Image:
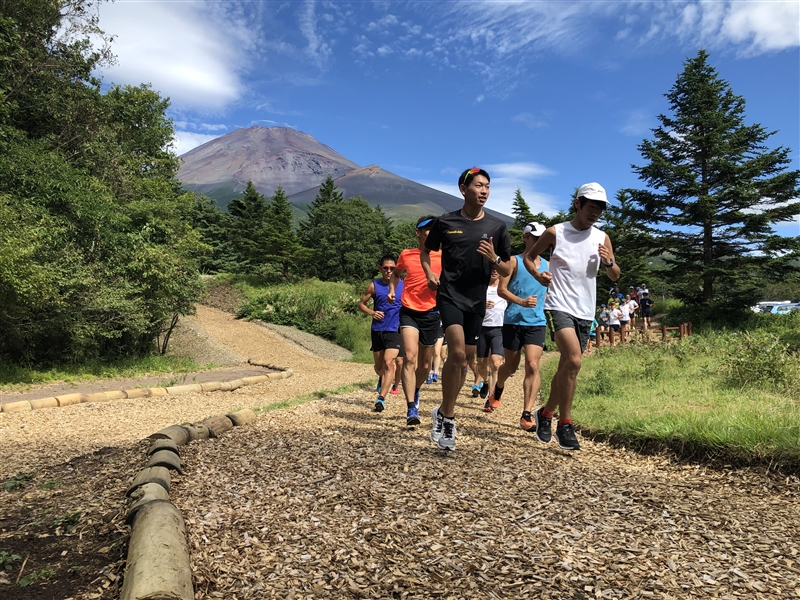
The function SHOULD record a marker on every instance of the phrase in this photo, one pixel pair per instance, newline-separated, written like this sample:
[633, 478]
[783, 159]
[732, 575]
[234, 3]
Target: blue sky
[544, 95]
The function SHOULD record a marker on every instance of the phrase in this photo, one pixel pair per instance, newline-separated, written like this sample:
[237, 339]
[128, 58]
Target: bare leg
[532, 381]
[398, 371]
[455, 369]
[437, 356]
[562, 389]
[388, 370]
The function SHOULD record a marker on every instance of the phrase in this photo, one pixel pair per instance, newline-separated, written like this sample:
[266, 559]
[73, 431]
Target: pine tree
[715, 191]
[250, 228]
[328, 192]
[521, 211]
[282, 245]
[310, 225]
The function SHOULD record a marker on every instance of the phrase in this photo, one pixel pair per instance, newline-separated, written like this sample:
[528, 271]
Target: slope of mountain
[400, 198]
[269, 156]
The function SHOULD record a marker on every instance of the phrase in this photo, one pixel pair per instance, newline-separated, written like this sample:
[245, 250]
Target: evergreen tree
[715, 191]
[250, 231]
[328, 194]
[283, 247]
[215, 227]
[521, 211]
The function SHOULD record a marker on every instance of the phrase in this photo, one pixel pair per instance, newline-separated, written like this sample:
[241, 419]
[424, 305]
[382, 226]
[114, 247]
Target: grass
[298, 400]
[685, 396]
[15, 375]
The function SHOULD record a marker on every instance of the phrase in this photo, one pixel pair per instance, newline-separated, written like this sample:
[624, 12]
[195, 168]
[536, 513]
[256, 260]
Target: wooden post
[690, 327]
[663, 333]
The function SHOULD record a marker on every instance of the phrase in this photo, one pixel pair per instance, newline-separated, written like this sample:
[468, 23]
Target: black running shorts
[490, 342]
[426, 323]
[559, 320]
[517, 336]
[385, 340]
[471, 323]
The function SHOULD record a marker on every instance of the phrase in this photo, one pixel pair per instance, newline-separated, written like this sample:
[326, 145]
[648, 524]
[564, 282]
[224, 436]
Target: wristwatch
[609, 265]
[498, 260]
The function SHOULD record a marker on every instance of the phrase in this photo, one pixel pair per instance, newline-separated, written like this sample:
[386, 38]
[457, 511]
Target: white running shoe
[448, 439]
[436, 431]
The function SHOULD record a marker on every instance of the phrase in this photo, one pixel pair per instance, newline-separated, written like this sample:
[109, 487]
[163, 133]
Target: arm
[606, 256]
[486, 249]
[505, 294]
[362, 304]
[393, 283]
[547, 239]
[425, 260]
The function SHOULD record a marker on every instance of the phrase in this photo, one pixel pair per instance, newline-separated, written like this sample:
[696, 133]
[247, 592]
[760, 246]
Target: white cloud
[529, 120]
[186, 140]
[385, 50]
[319, 51]
[520, 170]
[180, 48]
[480, 99]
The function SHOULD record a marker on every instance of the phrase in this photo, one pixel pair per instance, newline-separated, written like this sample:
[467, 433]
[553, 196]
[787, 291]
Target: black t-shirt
[465, 273]
[646, 303]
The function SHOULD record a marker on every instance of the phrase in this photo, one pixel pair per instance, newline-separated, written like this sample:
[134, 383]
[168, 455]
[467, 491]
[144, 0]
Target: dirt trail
[332, 500]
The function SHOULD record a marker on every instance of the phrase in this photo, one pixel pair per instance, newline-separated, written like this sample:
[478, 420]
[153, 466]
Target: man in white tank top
[580, 250]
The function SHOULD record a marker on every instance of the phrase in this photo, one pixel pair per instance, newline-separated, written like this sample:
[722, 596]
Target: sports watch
[498, 260]
[609, 265]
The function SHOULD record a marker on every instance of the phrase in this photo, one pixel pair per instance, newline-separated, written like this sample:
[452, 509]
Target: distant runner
[580, 250]
[490, 343]
[419, 317]
[471, 242]
[385, 323]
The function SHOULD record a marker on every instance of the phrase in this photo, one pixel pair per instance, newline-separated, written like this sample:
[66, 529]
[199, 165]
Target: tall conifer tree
[716, 191]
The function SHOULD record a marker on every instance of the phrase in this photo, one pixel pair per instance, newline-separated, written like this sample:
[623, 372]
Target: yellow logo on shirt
[454, 231]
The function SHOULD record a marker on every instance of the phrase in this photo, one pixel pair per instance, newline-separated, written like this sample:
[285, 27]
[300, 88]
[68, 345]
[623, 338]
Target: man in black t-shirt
[472, 242]
[646, 303]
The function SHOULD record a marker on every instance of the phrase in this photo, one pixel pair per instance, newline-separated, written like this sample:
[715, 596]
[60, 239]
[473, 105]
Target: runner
[471, 242]
[647, 304]
[580, 250]
[385, 322]
[419, 317]
[490, 342]
[523, 328]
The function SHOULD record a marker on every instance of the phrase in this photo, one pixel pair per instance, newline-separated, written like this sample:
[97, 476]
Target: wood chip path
[332, 500]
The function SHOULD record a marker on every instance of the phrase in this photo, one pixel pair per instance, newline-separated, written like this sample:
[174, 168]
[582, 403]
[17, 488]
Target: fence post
[689, 328]
[663, 332]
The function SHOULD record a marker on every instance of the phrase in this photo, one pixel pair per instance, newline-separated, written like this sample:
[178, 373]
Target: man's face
[387, 268]
[477, 192]
[590, 212]
[422, 235]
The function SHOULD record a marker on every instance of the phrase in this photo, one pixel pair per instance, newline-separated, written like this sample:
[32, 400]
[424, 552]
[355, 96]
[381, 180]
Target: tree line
[101, 248]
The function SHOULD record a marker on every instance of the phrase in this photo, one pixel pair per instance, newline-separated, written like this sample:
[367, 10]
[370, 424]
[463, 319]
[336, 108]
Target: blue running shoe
[416, 399]
[412, 416]
[435, 377]
[429, 380]
[476, 389]
[379, 404]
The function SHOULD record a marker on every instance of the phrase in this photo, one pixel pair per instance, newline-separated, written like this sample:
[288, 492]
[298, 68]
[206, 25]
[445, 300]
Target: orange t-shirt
[416, 294]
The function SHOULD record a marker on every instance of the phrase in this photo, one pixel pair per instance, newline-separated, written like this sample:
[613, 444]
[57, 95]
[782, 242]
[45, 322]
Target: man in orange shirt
[419, 317]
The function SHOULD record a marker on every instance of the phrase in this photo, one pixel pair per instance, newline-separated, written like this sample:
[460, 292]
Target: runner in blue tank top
[385, 328]
[523, 327]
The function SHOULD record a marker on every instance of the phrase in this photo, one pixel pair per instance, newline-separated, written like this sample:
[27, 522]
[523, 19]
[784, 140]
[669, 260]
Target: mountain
[269, 156]
[272, 156]
[400, 198]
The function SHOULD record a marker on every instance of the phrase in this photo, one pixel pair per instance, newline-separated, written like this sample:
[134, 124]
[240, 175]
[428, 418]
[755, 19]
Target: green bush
[760, 359]
[326, 309]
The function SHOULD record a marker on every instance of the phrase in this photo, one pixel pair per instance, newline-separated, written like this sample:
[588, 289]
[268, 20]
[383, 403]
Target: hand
[530, 302]
[486, 249]
[433, 282]
[490, 304]
[605, 255]
[378, 315]
[390, 297]
[543, 277]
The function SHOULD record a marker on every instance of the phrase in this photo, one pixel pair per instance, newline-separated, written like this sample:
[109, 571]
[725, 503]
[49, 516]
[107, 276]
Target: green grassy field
[692, 396]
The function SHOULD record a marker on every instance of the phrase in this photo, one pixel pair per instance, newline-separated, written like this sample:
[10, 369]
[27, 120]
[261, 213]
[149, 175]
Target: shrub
[759, 358]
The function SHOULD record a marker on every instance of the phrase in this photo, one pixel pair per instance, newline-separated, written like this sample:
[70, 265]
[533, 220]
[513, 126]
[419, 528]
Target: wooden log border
[158, 564]
[72, 399]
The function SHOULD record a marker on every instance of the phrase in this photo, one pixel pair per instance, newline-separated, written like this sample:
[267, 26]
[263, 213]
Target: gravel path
[332, 500]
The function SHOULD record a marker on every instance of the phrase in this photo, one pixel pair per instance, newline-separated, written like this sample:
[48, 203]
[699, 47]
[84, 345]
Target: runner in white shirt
[632, 306]
[624, 321]
[614, 314]
[490, 342]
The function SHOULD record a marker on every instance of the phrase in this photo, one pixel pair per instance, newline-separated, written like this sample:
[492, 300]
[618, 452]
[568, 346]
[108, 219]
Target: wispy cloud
[530, 121]
[187, 51]
[318, 51]
[187, 140]
[637, 123]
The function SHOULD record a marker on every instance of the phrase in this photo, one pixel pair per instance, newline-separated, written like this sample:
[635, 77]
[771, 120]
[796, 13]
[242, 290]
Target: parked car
[785, 309]
[767, 305]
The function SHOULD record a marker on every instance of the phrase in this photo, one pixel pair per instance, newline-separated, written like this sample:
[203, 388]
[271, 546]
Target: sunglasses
[469, 173]
[388, 268]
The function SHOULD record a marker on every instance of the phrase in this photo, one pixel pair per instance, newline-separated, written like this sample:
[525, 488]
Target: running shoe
[436, 430]
[429, 380]
[544, 432]
[380, 404]
[434, 377]
[491, 401]
[488, 407]
[412, 416]
[476, 389]
[416, 399]
[378, 387]
[394, 391]
[526, 423]
[484, 390]
[448, 439]
[565, 434]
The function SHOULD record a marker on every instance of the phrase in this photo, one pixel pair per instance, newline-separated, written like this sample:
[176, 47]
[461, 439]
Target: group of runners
[462, 278]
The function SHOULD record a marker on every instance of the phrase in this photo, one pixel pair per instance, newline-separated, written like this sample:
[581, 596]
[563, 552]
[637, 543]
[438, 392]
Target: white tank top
[494, 315]
[574, 264]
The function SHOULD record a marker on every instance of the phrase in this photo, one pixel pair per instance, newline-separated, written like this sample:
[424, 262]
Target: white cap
[533, 228]
[592, 191]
